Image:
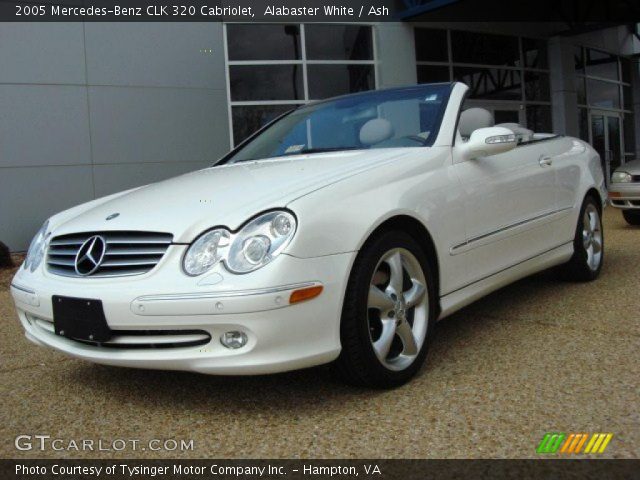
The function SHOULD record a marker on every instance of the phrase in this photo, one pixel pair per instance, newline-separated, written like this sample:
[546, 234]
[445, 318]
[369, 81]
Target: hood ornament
[112, 216]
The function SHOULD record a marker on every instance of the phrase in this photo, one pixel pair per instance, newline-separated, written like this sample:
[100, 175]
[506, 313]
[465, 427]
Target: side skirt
[454, 301]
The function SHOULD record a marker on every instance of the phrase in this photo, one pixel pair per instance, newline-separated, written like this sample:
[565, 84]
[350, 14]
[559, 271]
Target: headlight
[206, 251]
[36, 248]
[620, 177]
[255, 245]
[260, 241]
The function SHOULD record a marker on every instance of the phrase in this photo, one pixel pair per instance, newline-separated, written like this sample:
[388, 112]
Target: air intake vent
[106, 254]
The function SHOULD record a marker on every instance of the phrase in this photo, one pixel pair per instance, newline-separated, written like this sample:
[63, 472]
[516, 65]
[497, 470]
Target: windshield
[407, 117]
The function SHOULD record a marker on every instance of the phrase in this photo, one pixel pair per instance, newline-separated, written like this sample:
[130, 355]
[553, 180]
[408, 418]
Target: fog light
[234, 339]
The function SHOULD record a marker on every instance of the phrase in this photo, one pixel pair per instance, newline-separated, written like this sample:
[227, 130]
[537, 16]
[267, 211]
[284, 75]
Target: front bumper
[625, 195]
[281, 336]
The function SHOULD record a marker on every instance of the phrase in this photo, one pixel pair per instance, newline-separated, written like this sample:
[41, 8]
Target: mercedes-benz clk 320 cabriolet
[341, 232]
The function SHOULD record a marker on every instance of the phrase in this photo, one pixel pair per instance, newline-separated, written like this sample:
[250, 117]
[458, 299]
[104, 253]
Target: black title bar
[571, 12]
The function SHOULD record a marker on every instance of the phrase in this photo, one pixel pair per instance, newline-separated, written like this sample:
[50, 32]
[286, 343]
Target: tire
[588, 245]
[375, 322]
[632, 216]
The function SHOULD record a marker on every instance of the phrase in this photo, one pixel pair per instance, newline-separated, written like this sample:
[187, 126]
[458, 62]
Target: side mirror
[485, 142]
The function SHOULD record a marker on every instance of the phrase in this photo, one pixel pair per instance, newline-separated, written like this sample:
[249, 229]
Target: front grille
[126, 253]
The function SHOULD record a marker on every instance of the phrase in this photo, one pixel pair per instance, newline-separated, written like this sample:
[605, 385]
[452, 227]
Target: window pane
[581, 90]
[539, 118]
[506, 116]
[247, 120]
[629, 134]
[338, 42]
[600, 64]
[628, 98]
[276, 42]
[431, 45]
[432, 74]
[331, 80]
[603, 94]
[583, 124]
[483, 48]
[578, 58]
[625, 64]
[491, 83]
[535, 53]
[536, 86]
[266, 82]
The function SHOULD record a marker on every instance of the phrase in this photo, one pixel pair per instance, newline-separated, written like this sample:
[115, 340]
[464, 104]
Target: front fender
[341, 217]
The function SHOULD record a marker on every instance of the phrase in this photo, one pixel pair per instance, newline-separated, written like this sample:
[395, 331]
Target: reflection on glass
[506, 116]
[485, 48]
[490, 83]
[266, 82]
[535, 53]
[581, 90]
[629, 134]
[578, 59]
[433, 73]
[603, 94]
[615, 155]
[598, 140]
[583, 124]
[275, 42]
[249, 119]
[625, 66]
[338, 42]
[332, 80]
[600, 64]
[536, 86]
[628, 98]
[431, 45]
[539, 118]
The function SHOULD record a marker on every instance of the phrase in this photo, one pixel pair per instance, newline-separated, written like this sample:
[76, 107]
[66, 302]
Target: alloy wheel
[398, 309]
[592, 236]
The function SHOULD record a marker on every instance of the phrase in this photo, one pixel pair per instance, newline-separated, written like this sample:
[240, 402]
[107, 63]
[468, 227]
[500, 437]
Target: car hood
[632, 167]
[227, 195]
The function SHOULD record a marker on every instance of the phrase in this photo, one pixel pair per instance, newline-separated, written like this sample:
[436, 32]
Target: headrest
[473, 119]
[375, 131]
[522, 134]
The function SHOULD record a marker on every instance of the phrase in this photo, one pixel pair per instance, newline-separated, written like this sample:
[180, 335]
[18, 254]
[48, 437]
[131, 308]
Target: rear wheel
[632, 216]
[588, 245]
[388, 312]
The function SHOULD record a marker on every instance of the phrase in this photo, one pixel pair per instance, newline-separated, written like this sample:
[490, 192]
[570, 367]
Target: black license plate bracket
[80, 319]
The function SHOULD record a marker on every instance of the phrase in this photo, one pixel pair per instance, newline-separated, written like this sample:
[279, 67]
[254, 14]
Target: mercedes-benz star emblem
[112, 216]
[90, 256]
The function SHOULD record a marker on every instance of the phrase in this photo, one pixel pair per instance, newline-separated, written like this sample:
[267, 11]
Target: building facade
[91, 109]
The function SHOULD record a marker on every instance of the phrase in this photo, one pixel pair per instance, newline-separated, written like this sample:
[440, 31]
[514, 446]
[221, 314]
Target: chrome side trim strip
[23, 289]
[456, 249]
[486, 277]
[227, 294]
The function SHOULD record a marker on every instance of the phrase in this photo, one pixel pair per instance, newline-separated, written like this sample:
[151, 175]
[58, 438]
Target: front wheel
[632, 216]
[588, 245]
[388, 312]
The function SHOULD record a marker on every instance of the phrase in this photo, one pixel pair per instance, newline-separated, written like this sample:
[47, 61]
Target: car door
[509, 201]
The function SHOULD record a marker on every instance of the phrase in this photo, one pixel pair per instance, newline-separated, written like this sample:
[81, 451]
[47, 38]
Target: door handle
[545, 161]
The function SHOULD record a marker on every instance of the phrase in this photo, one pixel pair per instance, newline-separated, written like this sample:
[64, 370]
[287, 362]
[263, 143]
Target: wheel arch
[419, 232]
[593, 192]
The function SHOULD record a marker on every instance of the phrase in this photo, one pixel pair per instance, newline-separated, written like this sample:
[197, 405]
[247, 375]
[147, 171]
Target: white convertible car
[341, 232]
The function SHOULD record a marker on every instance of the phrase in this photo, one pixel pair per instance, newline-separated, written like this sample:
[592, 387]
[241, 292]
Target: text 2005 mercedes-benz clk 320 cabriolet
[341, 232]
